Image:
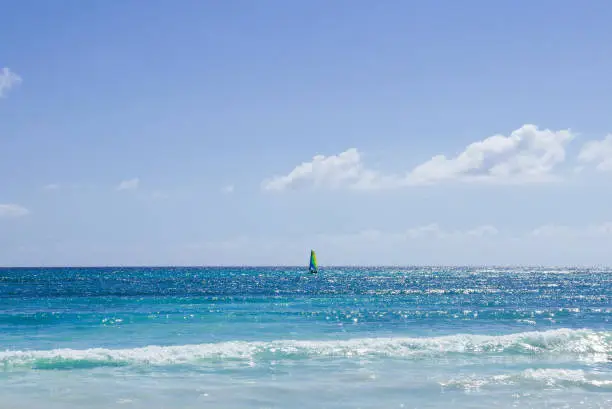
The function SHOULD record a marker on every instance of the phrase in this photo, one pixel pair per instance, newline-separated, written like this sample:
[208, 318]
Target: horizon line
[300, 266]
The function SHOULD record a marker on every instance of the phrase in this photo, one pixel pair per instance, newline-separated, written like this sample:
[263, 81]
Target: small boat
[313, 268]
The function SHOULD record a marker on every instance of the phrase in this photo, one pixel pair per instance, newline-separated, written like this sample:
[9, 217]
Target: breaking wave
[560, 341]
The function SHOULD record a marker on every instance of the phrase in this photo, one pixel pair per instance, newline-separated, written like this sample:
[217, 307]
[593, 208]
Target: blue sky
[209, 115]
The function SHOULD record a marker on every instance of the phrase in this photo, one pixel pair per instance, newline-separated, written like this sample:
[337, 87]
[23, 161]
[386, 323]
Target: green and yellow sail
[313, 268]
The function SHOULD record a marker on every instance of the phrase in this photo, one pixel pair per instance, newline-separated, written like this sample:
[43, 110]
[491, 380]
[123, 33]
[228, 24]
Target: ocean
[257, 337]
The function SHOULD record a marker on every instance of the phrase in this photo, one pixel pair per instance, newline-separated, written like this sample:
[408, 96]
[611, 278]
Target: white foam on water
[539, 378]
[560, 341]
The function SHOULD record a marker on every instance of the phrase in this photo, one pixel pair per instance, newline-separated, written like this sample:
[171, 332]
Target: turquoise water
[418, 337]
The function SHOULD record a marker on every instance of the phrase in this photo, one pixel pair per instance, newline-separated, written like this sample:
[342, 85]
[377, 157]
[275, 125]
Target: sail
[313, 262]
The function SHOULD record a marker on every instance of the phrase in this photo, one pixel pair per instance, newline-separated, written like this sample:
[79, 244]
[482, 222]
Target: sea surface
[253, 337]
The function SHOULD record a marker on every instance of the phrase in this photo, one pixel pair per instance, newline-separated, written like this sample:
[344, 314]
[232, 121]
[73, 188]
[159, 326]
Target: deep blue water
[419, 337]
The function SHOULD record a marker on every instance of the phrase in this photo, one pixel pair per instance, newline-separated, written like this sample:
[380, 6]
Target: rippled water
[419, 337]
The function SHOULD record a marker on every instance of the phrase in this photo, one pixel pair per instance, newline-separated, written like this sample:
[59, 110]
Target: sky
[240, 132]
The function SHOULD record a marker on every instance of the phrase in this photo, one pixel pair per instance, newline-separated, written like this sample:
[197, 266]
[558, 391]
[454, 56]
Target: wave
[546, 378]
[560, 342]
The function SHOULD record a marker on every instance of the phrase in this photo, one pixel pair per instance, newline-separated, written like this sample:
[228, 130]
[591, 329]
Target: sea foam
[554, 342]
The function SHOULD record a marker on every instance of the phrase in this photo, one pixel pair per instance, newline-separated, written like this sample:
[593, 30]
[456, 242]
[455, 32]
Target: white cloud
[129, 184]
[558, 231]
[11, 210]
[51, 186]
[598, 153]
[8, 80]
[558, 244]
[228, 189]
[550, 230]
[428, 231]
[528, 154]
[343, 170]
[481, 231]
[433, 230]
[158, 194]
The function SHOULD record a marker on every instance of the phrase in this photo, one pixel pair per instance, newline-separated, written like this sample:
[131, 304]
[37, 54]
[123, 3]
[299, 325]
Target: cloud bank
[420, 245]
[556, 231]
[527, 155]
